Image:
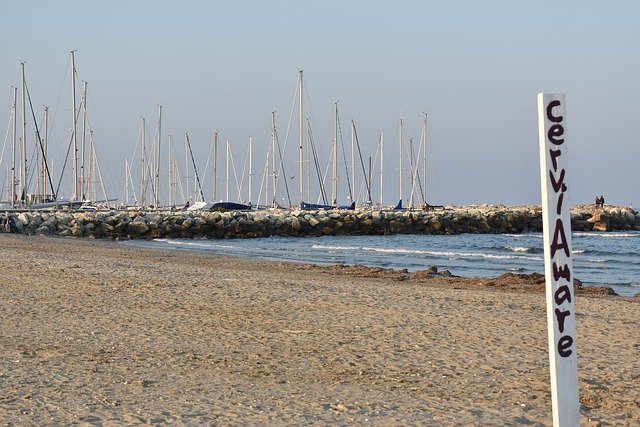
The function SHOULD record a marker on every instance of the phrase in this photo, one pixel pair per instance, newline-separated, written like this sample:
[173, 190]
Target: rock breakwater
[263, 223]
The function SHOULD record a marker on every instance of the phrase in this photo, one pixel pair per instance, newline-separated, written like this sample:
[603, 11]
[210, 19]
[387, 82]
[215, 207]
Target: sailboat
[198, 204]
[274, 173]
[311, 148]
[226, 205]
[416, 179]
[45, 194]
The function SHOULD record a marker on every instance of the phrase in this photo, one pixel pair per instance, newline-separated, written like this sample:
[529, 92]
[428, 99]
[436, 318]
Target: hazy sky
[474, 66]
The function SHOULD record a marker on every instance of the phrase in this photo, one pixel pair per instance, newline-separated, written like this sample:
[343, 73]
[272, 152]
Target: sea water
[609, 259]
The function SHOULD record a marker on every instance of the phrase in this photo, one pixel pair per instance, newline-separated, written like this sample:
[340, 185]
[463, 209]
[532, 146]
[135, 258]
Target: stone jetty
[262, 223]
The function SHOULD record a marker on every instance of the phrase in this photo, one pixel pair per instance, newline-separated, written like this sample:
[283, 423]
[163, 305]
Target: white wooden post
[556, 220]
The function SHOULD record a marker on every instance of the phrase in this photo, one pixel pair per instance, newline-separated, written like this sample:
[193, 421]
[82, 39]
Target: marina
[321, 213]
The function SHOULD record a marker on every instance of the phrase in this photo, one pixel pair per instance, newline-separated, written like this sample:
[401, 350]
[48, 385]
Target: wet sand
[93, 331]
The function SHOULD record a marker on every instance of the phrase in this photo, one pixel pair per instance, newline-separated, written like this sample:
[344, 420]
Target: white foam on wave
[450, 254]
[335, 248]
[519, 248]
[618, 235]
[526, 249]
[194, 243]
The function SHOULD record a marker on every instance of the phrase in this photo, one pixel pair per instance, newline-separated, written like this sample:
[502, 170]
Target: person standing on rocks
[7, 224]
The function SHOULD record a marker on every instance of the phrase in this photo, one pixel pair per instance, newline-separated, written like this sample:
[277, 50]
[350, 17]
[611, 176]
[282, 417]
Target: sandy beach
[97, 332]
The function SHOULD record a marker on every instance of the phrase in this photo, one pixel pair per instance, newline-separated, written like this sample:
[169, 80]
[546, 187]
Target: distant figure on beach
[600, 201]
[7, 224]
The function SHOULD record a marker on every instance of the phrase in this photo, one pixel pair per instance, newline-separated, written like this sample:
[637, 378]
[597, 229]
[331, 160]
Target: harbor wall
[263, 223]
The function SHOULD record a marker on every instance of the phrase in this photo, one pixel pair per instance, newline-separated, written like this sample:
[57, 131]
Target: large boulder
[599, 215]
[138, 227]
[600, 226]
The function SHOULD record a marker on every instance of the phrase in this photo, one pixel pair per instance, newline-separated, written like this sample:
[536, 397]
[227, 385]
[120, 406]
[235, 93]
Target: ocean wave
[531, 250]
[616, 235]
[195, 243]
[519, 248]
[335, 248]
[450, 254]
[597, 261]
[524, 249]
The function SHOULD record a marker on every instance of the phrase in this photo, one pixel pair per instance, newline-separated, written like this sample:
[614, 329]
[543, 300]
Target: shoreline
[532, 281]
[97, 332]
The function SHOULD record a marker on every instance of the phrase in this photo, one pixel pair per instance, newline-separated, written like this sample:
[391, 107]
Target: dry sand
[98, 332]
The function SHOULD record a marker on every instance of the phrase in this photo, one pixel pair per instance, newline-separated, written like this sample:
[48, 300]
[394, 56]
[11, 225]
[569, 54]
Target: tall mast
[369, 184]
[353, 155]
[412, 172]
[301, 139]
[307, 161]
[250, 167]
[93, 171]
[74, 126]
[13, 160]
[172, 197]
[381, 166]
[215, 166]
[424, 174]
[400, 136]
[83, 142]
[227, 174]
[96, 169]
[126, 182]
[365, 176]
[173, 172]
[157, 171]
[23, 144]
[176, 177]
[273, 160]
[143, 175]
[186, 163]
[334, 149]
[44, 155]
[195, 169]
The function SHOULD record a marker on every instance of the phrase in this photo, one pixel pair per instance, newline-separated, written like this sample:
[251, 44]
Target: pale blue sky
[474, 66]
